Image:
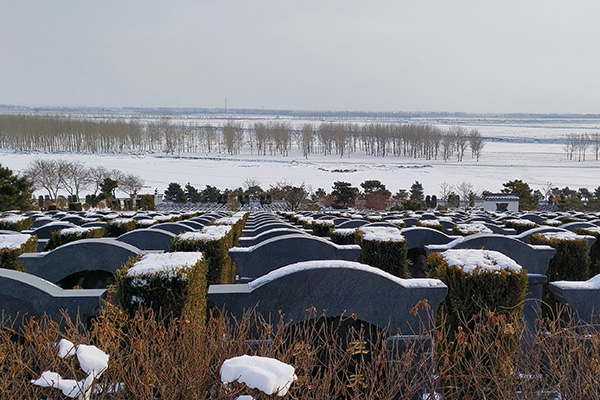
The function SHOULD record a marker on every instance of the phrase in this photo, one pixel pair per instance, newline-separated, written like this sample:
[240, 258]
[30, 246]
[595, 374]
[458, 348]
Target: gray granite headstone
[338, 288]
[255, 261]
[23, 295]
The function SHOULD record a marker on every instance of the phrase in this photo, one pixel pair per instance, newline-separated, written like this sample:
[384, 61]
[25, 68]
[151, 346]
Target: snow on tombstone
[268, 375]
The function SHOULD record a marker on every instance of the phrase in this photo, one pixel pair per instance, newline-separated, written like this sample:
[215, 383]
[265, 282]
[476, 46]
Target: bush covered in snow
[214, 241]
[12, 246]
[172, 283]
[345, 236]
[571, 261]
[322, 227]
[64, 236]
[15, 223]
[384, 248]
[118, 226]
[484, 287]
[519, 225]
[594, 250]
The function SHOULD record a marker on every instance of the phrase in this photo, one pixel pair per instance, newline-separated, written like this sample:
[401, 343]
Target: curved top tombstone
[44, 231]
[260, 259]
[102, 254]
[23, 294]
[173, 227]
[534, 258]
[338, 288]
[148, 239]
[420, 236]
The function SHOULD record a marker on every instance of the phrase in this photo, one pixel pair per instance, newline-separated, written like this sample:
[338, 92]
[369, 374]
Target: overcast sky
[396, 55]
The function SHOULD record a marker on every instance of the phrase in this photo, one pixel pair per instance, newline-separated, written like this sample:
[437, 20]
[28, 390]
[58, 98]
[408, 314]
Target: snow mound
[268, 375]
[469, 260]
[13, 241]
[381, 234]
[163, 262]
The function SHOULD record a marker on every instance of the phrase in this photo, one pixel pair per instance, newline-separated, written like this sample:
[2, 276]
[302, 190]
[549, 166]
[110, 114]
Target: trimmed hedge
[15, 223]
[388, 255]
[482, 298]
[237, 223]
[64, 236]
[470, 229]
[9, 257]
[431, 223]
[344, 236]
[322, 228]
[571, 261]
[173, 293]
[520, 225]
[119, 226]
[215, 247]
[594, 250]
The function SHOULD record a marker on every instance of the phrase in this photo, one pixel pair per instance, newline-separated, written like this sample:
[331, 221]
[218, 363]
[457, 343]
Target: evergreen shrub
[481, 297]
[119, 226]
[214, 242]
[178, 287]
[64, 236]
[384, 248]
[594, 250]
[571, 261]
[519, 225]
[322, 228]
[15, 223]
[344, 236]
[10, 251]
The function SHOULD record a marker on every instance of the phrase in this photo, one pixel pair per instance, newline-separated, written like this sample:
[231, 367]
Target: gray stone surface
[255, 261]
[149, 239]
[102, 254]
[582, 297]
[420, 236]
[266, 227]
[173, 227]
[23, 295]
[43, 232]
[535, 259]
[272, 233]
[573, 226]
[353, 223]
[338, 288]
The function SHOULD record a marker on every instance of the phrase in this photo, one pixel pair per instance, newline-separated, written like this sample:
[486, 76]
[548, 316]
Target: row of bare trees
[576, 146]
[73, 177]
[60, 134]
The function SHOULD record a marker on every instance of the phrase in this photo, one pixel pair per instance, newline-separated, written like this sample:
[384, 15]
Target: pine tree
[16, 193]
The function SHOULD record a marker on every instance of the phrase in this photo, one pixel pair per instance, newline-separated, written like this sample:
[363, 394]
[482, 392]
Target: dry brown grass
[334, 359]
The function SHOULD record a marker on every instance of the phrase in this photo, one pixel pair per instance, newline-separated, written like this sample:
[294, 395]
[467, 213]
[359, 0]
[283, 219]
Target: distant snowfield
[514, 153]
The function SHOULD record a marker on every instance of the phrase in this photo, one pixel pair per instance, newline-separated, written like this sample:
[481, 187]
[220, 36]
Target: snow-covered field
[530, 150]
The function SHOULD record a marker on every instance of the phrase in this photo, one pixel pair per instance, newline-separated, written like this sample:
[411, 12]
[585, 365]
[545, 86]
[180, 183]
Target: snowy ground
[530, 151]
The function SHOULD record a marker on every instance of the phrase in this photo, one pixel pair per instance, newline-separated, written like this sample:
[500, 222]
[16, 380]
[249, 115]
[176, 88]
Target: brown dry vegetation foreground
[181, 359]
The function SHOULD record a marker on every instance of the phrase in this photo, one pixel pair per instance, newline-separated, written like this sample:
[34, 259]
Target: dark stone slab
[102, 254]
[148, 239]
[277, 232]
[23, 295]
[255, 261]
[337, 287]
[173, 227]
[582, 297]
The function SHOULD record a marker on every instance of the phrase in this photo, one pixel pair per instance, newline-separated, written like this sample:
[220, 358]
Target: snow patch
[268, 375]
[470, 259]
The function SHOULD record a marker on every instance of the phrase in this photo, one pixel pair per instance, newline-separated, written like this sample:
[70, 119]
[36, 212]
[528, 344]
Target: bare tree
[307, 139]
[74, 176]
[596, 144]
[45, 174]
[570, 145]
[131, 184]
[465, 189]
[476, 142]
[445, 190]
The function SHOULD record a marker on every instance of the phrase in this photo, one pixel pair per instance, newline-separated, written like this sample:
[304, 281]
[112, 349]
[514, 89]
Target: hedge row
[64, 236]
[170, 292]
[9, 256]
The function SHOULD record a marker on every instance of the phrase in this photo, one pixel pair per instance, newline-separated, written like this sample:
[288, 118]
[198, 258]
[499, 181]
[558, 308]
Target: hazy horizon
[466, 56]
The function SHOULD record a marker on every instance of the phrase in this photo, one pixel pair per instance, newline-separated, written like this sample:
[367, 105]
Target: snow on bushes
[344, 236]
[214, 241]
[470, 229]
[12, 246]
[118, 226]
[322, 227]
[64, 236]
[594, 250]
[571, 261]
[384, 248]
[173, 283]
[519, 225]
[15, 223]
[484, 288]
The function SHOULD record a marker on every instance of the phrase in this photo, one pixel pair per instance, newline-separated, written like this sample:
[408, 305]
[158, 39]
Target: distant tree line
[576, 146]
[63, 134]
